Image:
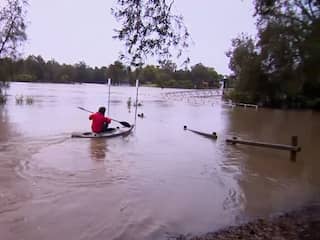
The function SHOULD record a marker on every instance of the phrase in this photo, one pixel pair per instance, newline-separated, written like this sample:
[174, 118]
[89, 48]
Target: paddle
[123, 123]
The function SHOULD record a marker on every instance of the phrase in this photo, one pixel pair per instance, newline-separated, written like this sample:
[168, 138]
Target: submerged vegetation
[20, 99]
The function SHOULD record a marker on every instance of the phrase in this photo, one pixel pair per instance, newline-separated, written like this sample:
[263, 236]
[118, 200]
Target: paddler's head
[102, 110]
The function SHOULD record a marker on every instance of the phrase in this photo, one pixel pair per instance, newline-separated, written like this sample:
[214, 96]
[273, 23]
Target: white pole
[137, 87]
[109, 85]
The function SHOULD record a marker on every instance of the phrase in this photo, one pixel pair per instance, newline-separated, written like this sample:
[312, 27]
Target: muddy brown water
[156, 183]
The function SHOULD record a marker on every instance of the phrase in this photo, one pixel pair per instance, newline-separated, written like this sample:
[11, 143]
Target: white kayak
[112, 132]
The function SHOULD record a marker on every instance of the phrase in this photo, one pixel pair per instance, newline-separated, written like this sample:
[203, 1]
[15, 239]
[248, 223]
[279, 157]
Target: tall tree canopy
[149, 28]
[284, 57]
[12, 33]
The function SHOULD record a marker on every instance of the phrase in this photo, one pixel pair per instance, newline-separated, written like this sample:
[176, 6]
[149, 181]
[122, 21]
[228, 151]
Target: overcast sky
[71, 31]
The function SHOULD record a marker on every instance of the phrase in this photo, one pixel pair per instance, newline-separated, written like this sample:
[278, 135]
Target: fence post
[294, 143]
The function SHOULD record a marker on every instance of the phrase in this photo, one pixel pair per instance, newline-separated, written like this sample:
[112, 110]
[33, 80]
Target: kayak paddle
[123, 123]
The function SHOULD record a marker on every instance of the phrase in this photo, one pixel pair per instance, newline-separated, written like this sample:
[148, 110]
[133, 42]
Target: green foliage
[6, 70]
[150, 74]
[243, 97]
[35, 69]
[12, 26]
[24, 77]
[203, 77]
[281, 65]
[149, 28]
[117, 72]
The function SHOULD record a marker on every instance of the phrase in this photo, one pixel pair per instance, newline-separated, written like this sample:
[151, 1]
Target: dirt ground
[303, 224]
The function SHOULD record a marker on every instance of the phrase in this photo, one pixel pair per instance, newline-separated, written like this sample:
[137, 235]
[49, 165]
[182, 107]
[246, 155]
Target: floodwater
[156, 183]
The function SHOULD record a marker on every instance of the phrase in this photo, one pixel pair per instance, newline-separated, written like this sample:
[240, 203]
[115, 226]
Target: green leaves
[149, 28]
[12, 26]
[282, 61]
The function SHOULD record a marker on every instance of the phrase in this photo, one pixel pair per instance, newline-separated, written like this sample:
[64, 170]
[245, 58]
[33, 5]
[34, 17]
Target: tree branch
[8, 34]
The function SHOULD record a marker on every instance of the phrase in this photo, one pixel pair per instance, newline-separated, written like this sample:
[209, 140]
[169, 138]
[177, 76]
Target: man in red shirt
[99, 121]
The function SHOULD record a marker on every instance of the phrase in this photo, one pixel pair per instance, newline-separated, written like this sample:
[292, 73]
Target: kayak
[112, 132]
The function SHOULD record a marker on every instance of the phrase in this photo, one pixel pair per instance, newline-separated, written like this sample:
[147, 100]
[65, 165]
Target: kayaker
[100, 123]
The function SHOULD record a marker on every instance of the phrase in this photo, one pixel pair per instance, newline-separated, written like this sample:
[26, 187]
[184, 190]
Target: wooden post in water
[136, 109]
[294, 143]
[293, 148]
[234, 142]
[212, 135]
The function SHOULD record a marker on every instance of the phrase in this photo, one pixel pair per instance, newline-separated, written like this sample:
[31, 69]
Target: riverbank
[302, 224]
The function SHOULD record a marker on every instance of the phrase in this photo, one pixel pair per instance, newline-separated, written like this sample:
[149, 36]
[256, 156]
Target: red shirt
[98, 121]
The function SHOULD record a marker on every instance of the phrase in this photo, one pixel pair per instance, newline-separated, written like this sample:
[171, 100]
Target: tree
[52, 70]
[6, 74]
[245, 63]
[12, 32]
[35, 67]
[12, 26]
[99, 75]
[81, 72]
[149, 28]
[67, 73]
[203, 77]
[149, 74]
[280, 67]
[117, 72]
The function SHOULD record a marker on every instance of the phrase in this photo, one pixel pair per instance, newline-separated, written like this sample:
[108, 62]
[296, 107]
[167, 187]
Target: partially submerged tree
[280, 67]
[289, 33]
[149, 28]
[12, 33]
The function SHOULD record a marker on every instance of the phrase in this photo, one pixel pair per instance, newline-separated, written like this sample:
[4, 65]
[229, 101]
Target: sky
[71, 31]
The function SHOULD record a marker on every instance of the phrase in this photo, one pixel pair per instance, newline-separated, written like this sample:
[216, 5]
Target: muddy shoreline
[302, 224]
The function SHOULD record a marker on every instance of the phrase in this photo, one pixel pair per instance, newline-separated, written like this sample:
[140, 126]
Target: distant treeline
[36, 69]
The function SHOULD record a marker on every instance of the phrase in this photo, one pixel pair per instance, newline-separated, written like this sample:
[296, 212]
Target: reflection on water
[158, 182]
[267, 173]
[5, 128]
[98, 149]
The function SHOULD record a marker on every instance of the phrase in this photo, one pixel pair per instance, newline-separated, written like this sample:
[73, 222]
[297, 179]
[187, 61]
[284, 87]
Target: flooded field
[156, 183]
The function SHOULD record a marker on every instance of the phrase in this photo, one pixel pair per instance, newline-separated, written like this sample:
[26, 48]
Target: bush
[24, 78]
[242, 97]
